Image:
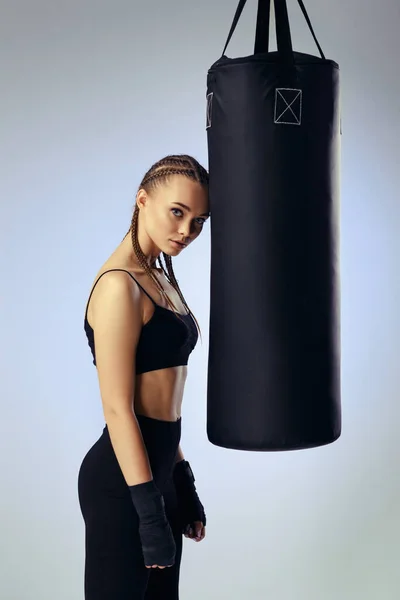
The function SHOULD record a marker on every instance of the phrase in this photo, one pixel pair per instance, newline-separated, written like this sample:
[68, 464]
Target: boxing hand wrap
[158, 543]
[190, 507]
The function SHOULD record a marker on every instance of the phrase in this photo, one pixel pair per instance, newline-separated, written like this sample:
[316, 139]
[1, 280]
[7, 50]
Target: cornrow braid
[159, 174]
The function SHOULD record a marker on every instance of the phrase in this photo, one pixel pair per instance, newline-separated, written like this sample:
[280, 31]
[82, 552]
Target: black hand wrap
[158, 543]
[190, 507]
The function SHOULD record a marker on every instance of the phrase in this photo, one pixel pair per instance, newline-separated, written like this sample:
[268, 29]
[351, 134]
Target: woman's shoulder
[110, 283]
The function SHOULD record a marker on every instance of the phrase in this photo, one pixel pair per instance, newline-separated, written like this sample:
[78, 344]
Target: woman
[136, 490]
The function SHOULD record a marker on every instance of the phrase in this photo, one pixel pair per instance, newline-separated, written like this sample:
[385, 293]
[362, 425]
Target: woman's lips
[178, 244]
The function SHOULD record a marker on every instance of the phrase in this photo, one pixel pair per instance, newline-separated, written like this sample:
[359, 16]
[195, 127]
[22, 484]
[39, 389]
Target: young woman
[136, 490]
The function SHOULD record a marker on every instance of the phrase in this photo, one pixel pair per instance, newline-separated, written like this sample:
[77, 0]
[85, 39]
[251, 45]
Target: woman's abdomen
[159, 394]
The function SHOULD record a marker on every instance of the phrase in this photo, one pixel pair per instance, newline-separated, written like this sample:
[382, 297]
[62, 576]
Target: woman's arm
[117, 322]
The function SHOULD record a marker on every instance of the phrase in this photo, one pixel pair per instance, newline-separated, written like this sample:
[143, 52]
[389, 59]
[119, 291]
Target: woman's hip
[100, 470]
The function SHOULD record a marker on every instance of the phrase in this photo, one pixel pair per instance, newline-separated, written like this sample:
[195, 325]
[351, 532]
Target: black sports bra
[165, 340]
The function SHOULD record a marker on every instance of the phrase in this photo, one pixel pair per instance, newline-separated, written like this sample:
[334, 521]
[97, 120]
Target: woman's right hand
[158, 544]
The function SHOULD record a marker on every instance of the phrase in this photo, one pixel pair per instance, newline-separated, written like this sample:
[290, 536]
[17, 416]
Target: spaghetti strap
[125, 271]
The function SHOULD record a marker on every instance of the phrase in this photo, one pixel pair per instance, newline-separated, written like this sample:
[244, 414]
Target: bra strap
[108, 271]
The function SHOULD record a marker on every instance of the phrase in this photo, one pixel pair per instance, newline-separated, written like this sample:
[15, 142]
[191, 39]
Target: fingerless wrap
[158, 543]
[190, 507]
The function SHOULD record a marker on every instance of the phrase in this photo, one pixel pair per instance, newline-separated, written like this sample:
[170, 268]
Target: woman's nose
[185, 231]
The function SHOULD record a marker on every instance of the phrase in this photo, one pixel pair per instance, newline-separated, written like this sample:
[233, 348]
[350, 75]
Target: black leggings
[114, 565]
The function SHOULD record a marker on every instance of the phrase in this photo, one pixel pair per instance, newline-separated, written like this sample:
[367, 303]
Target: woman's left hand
[195, 531]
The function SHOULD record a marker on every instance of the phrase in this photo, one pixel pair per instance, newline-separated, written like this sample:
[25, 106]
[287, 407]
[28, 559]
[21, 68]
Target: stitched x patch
[288, 105]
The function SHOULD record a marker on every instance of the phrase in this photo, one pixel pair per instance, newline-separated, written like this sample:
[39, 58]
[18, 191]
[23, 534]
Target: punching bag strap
[303, 8]
[236, 18]
[262, 27]
[282, 25]
[283, 37]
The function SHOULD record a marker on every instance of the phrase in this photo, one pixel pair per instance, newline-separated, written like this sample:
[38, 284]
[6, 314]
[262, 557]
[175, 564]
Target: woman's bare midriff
[159, 394]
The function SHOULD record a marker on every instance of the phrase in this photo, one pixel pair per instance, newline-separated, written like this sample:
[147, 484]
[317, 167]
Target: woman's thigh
[163, 584]
[114, 566]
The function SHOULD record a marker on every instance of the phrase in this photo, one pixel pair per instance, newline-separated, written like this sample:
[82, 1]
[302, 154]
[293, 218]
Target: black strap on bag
[282, 27]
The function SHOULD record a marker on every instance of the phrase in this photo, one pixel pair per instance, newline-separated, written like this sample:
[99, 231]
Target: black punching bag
[273, 134]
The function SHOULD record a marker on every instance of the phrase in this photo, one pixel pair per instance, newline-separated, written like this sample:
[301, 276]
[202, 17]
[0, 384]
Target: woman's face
[175, 212]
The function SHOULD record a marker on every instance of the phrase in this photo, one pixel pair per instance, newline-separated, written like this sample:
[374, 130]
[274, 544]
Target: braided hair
[158, 174]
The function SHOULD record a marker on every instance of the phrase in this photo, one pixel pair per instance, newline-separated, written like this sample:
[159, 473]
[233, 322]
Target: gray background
[92, 93]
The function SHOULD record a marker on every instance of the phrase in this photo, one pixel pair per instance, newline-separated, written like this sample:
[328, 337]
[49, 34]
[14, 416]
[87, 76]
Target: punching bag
[273, 130]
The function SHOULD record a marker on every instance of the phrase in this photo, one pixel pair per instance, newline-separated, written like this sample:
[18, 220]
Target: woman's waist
[159, 394]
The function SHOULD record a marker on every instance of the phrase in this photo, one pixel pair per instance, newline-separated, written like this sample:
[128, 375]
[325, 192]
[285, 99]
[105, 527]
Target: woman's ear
[141, 198]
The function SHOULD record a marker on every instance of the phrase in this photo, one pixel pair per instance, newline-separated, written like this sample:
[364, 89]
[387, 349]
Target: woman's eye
[177, 210]
[199, 220]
